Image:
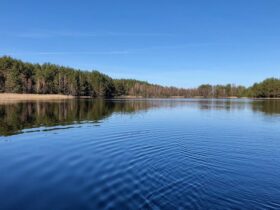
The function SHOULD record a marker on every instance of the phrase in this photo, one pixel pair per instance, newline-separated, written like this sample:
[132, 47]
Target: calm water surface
[140, 154]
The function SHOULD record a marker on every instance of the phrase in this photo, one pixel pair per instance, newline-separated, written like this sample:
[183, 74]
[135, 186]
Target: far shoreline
[17, 97]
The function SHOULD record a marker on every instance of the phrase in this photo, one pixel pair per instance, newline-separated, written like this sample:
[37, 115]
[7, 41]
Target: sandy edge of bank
[31, 97]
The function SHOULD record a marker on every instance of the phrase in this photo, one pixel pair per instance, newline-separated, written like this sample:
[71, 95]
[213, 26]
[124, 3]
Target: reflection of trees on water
[223, 104]
[269, 107]
[18, 116]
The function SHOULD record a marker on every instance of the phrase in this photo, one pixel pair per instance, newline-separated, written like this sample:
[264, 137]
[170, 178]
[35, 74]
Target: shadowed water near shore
[15, 117]
[140, 154]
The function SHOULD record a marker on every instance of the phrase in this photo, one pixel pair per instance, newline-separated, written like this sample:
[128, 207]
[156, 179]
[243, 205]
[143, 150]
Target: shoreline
[9, 97]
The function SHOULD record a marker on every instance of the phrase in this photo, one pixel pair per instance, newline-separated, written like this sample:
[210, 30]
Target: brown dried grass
[8, 97]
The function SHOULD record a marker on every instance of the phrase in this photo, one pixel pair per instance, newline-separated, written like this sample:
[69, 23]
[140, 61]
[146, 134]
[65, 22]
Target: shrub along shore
[49, 81]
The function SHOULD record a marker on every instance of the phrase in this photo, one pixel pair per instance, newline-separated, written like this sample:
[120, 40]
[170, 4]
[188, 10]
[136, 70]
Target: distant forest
[22, 77]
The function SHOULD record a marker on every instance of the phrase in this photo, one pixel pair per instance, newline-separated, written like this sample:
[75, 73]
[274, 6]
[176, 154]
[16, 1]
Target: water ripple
[180, 155]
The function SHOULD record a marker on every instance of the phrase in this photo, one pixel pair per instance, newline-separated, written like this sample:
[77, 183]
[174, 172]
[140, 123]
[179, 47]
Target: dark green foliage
[269, 88]
[2, 82]
[205, 90]
[19, 77]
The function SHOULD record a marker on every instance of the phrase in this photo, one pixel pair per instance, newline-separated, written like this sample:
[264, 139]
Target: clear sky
[171, 42]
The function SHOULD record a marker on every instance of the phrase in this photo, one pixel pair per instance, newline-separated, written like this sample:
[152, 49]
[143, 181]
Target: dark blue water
[145, 154]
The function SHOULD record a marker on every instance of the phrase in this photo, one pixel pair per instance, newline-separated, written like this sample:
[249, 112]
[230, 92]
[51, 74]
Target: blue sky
[171, 42]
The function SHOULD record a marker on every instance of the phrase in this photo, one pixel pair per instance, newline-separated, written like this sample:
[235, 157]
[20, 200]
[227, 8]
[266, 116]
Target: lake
[140, 154]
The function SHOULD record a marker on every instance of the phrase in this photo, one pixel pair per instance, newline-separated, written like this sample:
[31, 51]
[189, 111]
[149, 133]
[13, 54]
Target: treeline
[216, 91]
[269, 88]
[21, 77]
[128, 87]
